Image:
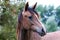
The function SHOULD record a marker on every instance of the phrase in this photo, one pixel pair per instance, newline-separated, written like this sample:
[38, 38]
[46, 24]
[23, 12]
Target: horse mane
[20, 16]
[31, 10]
[18, 28]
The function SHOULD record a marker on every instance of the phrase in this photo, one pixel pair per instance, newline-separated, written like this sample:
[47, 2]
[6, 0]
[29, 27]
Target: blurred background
[49, 12]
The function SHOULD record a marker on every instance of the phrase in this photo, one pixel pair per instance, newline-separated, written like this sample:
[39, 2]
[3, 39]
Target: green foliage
[51, 24]
[40, 9]
[49, 18]
[8, 19]
[58, 11]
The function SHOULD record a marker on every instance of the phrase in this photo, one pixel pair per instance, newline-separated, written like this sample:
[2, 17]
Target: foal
[29, 27]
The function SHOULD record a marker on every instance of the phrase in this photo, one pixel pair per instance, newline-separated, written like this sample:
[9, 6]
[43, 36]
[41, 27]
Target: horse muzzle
[40, 31]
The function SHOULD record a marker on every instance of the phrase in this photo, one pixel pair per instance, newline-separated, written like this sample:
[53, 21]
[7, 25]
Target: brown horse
[52, 36]
[29, 27]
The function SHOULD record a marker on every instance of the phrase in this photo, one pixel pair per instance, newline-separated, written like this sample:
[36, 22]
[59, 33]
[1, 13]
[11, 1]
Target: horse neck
[28, 35]
[25, 34]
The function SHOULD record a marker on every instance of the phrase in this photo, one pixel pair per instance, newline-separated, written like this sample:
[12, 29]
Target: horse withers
[29, 24]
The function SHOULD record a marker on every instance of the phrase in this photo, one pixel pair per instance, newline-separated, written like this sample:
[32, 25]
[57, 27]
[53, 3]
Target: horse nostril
[43, 32]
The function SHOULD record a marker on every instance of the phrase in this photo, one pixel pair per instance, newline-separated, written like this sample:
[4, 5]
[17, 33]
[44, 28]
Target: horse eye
[30, 17]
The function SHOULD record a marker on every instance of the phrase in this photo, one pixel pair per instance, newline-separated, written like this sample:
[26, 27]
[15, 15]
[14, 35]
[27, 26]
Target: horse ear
[34, 5]
[26, 6]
